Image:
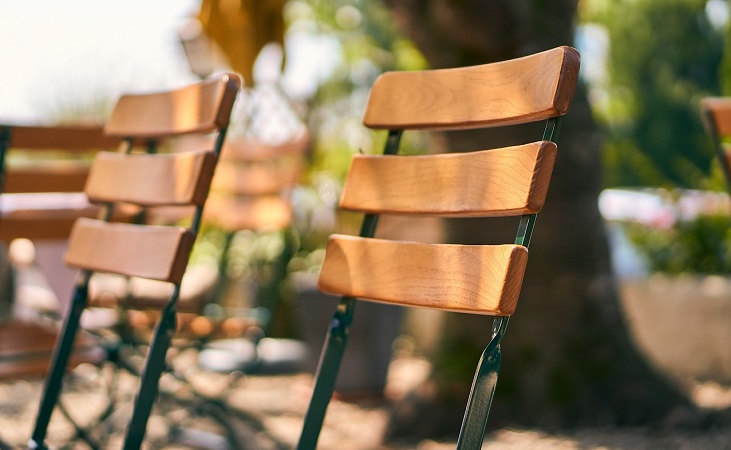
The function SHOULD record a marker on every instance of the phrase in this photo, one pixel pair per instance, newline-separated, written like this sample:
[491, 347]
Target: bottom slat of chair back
[478, 279]
[154, 252]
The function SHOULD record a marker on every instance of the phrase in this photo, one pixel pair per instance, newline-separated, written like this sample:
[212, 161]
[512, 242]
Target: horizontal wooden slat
[257, 178]
[479, 279]
[82, 138]
[154, 252]
[238, 149]
[531, 88]
[501, 182]
[149, 180]
[719, 110]
[197, 108]
[62, 176]
[248, 213]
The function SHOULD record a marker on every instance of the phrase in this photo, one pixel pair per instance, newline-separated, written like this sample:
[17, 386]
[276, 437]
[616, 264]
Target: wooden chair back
[156, 252]
[253, 181]
[511, 181]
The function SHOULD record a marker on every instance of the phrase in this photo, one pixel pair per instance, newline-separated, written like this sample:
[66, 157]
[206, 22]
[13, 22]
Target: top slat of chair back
[719, 112]
[198, 108]
[532, 88]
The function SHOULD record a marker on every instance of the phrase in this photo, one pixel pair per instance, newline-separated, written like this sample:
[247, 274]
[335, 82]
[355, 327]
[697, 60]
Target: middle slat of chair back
[151, 180]
[503, 182]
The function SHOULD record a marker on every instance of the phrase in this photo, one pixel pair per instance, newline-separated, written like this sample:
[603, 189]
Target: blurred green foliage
[700, 245]
[663, 57]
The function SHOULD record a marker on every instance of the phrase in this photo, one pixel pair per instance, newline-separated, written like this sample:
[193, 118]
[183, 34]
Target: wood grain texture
[154, 252]
[478, 279]
[521, 90]
[151, 180]
[719, 111]
[198, 108]
[501, 182]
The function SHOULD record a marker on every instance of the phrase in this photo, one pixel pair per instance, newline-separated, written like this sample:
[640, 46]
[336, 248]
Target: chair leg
[59, 361]
[154, 367]
[327, 373]
[474, 424]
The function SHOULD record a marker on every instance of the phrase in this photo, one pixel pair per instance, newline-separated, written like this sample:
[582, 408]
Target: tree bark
[567, 357]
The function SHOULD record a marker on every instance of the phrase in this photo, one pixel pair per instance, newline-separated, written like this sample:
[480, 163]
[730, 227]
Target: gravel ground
[267, 413]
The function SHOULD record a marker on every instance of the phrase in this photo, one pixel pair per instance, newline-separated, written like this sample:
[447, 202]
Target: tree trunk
[567, 358]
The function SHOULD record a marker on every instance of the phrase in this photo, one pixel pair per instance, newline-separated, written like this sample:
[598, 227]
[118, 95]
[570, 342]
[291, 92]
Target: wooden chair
[511, 181]
[51, 179]
[148, 251]
[716, 113]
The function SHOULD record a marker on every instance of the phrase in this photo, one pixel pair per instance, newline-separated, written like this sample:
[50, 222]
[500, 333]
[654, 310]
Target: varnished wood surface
[479, 279]
[500, 182]
[527, 89]
[719, 109]
[151, 180]
[198, 108]
[154, 252]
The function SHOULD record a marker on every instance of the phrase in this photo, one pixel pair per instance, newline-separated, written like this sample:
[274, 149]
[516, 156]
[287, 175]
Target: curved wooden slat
[252, 150]
[197, 108]
[527, 89]
[478, 279]
[490, 183]
[257, 178]
[719, 109]
[249, 213]
[151, 180]
[154, 252]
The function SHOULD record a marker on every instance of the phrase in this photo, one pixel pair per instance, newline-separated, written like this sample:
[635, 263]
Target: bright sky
[51, 51]
[54, 52]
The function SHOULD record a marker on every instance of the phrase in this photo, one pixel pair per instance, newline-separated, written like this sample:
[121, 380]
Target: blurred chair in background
[160, 253]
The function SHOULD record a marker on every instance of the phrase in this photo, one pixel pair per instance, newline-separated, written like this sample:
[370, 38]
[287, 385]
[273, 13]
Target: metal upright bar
[337, 338]
[156, 362]
[154, 366]
[474, 423]
[59, 361]
[5, 135]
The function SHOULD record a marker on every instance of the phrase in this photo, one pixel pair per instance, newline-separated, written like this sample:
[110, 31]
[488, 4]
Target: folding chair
[511, 181]
[716, 113]
[155, 252]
